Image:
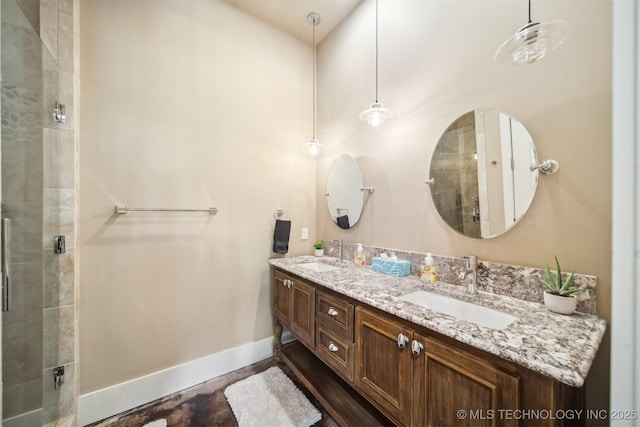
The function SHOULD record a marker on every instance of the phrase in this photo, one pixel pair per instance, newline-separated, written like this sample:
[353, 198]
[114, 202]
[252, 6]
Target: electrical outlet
[305, 233]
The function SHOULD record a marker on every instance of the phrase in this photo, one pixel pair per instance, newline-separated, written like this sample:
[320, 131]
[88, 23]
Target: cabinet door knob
[332, 346]
[416, 348]
[332, 312]
[402, 340]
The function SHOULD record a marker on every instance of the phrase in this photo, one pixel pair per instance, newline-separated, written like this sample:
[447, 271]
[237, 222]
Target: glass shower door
[29, 330]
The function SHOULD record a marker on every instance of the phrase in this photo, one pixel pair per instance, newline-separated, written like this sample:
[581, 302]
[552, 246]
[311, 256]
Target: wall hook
[547, 167]
[370, 189]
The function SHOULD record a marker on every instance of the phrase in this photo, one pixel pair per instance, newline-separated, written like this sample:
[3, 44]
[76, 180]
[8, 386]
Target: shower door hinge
[58, 245]
[58, 377]
[59, 113]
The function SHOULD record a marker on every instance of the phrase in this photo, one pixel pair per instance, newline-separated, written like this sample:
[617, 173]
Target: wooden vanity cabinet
[294, 306]
[365, 365]
[334, 333]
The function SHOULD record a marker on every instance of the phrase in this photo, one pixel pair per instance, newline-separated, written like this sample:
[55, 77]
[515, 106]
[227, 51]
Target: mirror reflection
[345, 197]
[482, 183]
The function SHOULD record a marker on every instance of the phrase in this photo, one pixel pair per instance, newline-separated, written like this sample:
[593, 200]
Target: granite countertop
[559, 346]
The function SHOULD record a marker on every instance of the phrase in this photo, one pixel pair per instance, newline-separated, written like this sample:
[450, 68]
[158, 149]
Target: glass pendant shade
[375, 115]
[532, 42]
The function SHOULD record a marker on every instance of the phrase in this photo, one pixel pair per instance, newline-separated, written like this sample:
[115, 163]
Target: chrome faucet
[470, 276]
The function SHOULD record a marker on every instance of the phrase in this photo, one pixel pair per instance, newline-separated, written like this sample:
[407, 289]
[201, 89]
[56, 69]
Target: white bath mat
[270, 399]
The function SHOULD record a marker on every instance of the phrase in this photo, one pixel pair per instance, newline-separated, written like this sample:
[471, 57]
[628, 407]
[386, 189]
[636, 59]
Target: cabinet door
[303, 312]
[449, 379]
[281, 297]
[383, 369]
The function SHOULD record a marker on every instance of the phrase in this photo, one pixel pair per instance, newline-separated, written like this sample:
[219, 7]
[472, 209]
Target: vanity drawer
[335, 312]
[335, 352]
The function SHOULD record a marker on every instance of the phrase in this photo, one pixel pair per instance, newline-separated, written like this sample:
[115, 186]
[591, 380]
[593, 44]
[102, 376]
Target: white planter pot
[560, 304]
[318, 252]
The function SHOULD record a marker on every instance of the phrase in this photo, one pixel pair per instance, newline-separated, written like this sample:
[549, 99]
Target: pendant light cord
[376, 51]
[314, 77]
[529, 12]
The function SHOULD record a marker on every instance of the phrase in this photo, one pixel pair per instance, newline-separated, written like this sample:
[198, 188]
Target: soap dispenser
[428, 273]
[359, 258]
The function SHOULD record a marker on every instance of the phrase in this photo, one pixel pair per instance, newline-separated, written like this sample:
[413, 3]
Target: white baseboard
[113, 400]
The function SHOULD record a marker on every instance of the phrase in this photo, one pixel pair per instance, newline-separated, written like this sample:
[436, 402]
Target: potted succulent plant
[560, 294]
[319, 248]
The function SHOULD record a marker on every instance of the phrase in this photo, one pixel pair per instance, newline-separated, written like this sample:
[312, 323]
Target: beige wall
[192, 103]
[436, 63]
[184, 104]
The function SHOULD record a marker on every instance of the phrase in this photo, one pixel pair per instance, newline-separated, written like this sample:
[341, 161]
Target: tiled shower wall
[60, 319]
[457, 191]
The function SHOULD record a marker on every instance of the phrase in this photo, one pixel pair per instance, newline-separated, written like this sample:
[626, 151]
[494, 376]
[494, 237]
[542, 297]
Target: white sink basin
[319, 267]
[462, 310]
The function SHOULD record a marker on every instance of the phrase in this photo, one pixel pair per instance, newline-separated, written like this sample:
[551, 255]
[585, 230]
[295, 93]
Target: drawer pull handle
[402, 340]
[416, 348]
[332, 312]
[333, 347]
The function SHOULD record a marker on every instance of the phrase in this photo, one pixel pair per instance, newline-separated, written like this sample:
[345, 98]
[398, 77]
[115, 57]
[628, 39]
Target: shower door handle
[6, 262]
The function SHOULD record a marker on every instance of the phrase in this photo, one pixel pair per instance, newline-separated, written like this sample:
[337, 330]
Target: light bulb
[375, 119]
[528, 54]
[314, 147]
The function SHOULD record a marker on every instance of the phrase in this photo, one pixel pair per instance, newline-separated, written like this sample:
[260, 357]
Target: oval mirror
[482, 183]
[345, 197]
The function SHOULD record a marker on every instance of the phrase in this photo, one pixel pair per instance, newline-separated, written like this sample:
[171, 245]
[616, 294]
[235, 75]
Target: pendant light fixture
[376, 114]
[533, 41]
[314, 144]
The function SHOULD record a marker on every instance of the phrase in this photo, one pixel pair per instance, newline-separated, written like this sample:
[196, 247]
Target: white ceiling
[291, 15]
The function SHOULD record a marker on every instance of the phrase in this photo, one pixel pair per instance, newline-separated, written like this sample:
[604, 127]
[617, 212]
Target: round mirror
[344, 192]
[482, 182]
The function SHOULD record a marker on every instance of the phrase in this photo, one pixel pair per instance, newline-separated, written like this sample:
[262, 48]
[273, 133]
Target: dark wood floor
[204, 405]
